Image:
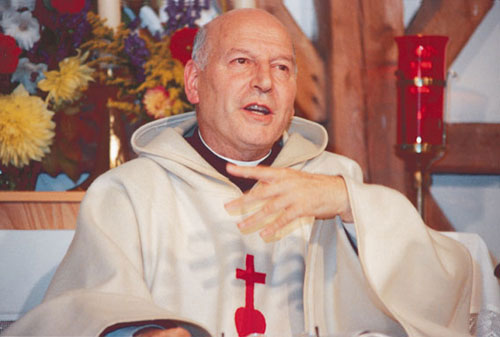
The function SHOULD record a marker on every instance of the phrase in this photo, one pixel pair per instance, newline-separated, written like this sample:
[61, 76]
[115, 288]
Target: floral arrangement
[54, 52]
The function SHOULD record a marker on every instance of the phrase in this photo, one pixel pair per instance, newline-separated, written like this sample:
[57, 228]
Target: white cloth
[154, 243]
[486, 301]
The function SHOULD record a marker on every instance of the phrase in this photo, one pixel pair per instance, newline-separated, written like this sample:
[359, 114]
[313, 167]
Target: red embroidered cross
[247, 319]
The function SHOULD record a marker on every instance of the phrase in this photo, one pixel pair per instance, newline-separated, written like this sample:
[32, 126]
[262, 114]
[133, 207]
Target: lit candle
[244, 4]
[111, 11]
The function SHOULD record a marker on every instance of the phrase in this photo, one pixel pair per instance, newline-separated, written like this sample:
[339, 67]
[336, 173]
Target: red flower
[9, 54]
[181, 44]
[68, 7]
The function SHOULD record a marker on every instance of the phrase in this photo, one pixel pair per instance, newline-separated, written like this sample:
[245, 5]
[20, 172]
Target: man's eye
[241, 60]
[282, 67]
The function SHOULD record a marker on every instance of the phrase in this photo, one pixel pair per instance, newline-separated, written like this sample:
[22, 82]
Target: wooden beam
[381, 21]
[340, 36]
[39, 210]
[434, 216]
[472, 148]
[310, 100]
[41, 196]
[457, 19]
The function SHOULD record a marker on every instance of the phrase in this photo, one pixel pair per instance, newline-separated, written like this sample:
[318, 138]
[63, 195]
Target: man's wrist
[346, 213]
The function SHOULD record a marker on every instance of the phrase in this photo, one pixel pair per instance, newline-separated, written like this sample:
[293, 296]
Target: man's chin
[257, 149]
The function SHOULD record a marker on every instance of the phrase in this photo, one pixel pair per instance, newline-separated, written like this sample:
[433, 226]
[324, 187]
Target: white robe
[154, 243]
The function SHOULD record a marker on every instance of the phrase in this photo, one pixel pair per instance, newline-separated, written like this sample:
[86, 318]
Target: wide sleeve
[99, 284]
[421, 278]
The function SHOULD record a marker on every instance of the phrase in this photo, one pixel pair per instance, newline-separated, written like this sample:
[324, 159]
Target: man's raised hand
[285, 195]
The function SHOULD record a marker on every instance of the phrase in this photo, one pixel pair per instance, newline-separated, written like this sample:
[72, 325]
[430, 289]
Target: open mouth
[259, 109]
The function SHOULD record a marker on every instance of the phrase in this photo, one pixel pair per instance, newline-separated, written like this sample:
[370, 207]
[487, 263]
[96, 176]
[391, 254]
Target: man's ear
[191, 74]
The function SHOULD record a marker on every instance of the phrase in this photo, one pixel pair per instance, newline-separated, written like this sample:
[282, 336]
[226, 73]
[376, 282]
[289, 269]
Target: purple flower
[135, 48]
[61, 37]
[74, 29]
[183, 13]
[135, 23]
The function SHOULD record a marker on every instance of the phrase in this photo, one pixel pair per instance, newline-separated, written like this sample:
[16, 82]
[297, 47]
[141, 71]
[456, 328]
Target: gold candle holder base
[418, 159]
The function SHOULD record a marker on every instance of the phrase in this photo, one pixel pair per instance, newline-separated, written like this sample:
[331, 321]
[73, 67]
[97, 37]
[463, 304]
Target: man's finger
[283, 226]
[254, 199]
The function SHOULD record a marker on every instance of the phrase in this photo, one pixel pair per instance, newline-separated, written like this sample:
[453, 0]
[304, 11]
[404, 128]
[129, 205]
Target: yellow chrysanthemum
[26, 128]
[158, 102]
[66, 84]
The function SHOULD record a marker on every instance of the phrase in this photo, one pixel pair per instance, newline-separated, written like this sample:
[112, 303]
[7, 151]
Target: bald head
[214, 30]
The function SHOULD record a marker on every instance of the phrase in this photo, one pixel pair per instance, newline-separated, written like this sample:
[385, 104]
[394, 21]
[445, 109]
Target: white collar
[233, 161]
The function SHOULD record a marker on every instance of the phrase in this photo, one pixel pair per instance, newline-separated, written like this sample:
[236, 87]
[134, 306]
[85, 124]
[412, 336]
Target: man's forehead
[252, 22]
[234, 34]
[283, 54]
[242, 16]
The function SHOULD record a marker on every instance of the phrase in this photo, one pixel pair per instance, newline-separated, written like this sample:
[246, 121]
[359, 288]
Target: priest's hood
[163, 140]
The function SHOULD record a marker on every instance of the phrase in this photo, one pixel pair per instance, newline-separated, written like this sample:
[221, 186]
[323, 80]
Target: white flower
[150, 20]
[29, 74]
[21, 26]
[18, 4]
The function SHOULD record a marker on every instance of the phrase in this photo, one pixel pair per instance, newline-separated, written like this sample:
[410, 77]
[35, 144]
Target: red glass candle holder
[421, 84]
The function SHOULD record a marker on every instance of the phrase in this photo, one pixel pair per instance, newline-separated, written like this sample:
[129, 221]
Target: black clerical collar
[220, 164]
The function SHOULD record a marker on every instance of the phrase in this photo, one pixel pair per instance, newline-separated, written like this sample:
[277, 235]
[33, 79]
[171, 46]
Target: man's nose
[262, 79]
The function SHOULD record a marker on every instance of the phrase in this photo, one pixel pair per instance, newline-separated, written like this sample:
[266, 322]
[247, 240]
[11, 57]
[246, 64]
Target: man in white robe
[179, 243]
